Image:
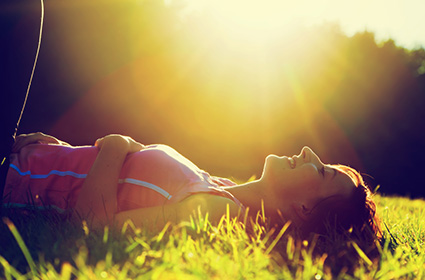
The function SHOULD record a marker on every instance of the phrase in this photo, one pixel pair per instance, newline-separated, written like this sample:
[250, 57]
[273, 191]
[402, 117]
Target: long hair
[355, 214]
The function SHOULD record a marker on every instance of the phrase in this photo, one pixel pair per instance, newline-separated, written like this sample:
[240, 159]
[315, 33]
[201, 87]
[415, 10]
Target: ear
[302, 211]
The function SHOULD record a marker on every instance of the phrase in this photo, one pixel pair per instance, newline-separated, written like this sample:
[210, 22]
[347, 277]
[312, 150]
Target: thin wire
[33, 68]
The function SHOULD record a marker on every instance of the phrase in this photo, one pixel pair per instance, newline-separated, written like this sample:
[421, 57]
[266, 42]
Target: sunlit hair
[355, 214]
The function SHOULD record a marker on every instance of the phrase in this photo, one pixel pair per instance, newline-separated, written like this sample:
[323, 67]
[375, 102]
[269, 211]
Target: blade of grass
[21, 244]
[362, 254]
[281, 232]
[9, 271]
[162, 233]
[105, 234]
[66, 271]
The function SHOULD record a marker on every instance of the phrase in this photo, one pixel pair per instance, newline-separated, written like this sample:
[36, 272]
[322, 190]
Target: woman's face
[304, 178]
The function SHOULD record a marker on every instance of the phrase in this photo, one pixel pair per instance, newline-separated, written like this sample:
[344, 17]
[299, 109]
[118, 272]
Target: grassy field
[36, 246]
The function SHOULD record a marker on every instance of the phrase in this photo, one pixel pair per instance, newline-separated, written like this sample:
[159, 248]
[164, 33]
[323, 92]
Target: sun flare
[257, 20]
[246, 39]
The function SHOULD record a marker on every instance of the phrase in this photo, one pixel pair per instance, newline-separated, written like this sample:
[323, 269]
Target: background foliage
[224, 97]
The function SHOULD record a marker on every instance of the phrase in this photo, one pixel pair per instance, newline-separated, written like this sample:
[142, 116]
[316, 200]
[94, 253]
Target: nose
[308, 155]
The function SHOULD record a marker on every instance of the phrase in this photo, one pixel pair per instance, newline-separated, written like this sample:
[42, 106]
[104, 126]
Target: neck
[251, 195]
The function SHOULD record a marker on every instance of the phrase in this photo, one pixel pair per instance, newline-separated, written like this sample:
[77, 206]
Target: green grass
[53, 248]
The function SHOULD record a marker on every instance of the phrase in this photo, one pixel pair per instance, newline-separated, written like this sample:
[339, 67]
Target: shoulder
[156, 150]
[215, 205]
[164, 153]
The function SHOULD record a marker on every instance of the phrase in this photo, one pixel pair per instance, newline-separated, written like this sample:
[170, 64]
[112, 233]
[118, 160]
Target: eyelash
[322, 171]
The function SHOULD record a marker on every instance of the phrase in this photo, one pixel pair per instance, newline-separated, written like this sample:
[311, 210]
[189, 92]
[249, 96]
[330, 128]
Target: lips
[292, 163]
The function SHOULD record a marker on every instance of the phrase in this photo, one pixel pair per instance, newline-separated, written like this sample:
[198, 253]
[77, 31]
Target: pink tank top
[50, 176]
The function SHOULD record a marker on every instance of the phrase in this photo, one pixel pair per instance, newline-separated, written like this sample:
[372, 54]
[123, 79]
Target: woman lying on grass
[119, 179]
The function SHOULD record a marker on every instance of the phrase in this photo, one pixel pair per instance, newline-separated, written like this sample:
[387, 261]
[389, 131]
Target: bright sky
[402, 20]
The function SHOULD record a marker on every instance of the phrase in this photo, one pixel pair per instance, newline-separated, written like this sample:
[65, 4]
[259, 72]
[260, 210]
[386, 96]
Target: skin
[293, 189]
[98, 201]
[38, 137]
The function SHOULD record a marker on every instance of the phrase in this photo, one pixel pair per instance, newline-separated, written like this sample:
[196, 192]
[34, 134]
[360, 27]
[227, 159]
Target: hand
[34, 138]
[120, 141]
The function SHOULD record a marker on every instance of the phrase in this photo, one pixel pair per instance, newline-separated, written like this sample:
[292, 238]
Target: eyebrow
[335, 172]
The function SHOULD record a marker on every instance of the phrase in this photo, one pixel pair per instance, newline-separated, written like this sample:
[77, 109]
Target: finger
[47, 139]
[20, 142]
[16, 145]
[136, 147]
[32, 138]
[98, 143]
[140, 146]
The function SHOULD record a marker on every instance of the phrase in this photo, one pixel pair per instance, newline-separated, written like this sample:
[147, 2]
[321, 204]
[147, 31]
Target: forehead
[337, 182]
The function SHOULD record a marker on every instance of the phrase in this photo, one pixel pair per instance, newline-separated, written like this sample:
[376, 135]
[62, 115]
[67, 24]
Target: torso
[49, 175]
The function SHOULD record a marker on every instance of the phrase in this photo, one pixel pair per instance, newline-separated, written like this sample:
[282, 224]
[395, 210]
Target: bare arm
[35, 138]
[155, 218]
[98, 195]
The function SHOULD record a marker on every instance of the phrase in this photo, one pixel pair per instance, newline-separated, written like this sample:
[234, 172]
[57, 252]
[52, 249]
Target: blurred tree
[416, 60]
[225, 98]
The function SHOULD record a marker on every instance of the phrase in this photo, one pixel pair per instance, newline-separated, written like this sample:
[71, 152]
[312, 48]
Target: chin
[272, 161]
[271, 157]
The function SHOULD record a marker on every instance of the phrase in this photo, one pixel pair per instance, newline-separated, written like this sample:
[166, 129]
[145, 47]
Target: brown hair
[355, 214]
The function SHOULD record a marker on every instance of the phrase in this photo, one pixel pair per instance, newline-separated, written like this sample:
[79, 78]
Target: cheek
[302, 180]
[305, 183]
[305, 176]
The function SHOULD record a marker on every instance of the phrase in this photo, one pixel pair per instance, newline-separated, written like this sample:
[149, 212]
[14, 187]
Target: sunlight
[245, 43]
[305, 108]
[254, 20]
[243, 50]
[386, 19]
[246, 78]
[262, 17]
